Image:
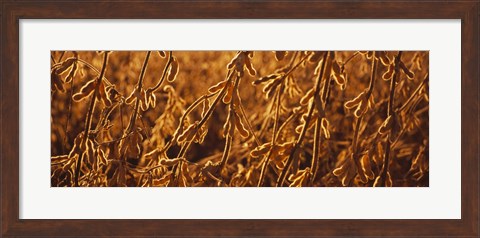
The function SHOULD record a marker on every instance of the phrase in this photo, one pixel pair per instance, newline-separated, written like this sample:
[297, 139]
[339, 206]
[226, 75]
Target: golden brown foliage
[283, 118]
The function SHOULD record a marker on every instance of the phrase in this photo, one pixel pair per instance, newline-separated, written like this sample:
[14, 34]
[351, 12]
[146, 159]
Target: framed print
[262, 118]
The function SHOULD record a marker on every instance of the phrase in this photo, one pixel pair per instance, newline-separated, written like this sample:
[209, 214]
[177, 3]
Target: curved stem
[372, 77]
[293, 153]
[274, 137]
[94, 69]
[131, 125]
[229, 138]
[390, 113]
[350, 58]
[277, 102]
[317, 142]
[88, 121]
[164, 74]
[182, 119]
[69, 113]
[249, 125]
[409, 100]
[209, 112]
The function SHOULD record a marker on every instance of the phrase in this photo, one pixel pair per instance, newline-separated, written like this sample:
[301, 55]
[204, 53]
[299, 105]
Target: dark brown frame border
[12, 11]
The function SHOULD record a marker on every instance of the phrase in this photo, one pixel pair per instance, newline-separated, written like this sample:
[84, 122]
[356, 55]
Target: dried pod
[340, 80]
[134, 145]
[217, 87]
[354, 102]
[361, 108]
[301, 178]
[382, 55]
[143, 100]
[369, 54]
[184, 179]
[102, 94]
[365, 171]
[325, 126]
[205, 106]
[85, 91]
[131, 98]
[173, 71]
[163, 181]
[240, 126]
[56, 83]
[261, 150]
[152, 99]
[71, 74]
[316, 56]
[202, 133]
[229, 94]
[62, 67]
[346, 172]
[386, 125]
[389, 74]
[188, 133]
[162, 53]
[249, 66]
[299, 129]
[304, 100]
[170, 162]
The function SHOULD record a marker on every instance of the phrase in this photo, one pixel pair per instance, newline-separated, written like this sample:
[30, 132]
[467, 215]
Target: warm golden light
[234, 119]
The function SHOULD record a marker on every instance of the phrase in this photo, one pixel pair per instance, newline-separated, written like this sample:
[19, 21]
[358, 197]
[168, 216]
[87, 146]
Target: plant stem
[317, 142]
[355, 136]
[317, 137]
[350, 58]
[88, 122]
[185, 148]
[372, 77]
[277, 114]
[165, 70]
[424, 81]
[229, 138]
[249, 125]
[274, 137]
[182, 119]
[105, 80]
[131, 125]
[293, 153]
[69, 113]
[390, 113]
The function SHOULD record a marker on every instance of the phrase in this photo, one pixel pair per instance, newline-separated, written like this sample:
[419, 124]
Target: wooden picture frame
[12, 11]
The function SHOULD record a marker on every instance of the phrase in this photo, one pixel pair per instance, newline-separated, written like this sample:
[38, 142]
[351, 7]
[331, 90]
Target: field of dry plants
[235, 119]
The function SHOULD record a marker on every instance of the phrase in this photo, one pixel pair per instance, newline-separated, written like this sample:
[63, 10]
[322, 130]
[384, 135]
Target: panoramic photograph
[239, 118]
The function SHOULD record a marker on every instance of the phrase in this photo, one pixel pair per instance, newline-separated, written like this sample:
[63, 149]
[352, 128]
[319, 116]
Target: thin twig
[88, 122]
[293, 153]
